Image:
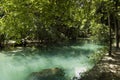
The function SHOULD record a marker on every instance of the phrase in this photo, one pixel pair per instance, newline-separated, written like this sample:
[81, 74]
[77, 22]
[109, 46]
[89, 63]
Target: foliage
[30, 18]
[55, 20]
[100, 33]
[97, 56]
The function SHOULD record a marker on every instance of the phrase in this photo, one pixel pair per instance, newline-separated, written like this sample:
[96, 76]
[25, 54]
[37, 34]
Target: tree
[54, 21]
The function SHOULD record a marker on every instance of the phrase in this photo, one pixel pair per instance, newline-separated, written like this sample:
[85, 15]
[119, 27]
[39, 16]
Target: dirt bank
[107, 69]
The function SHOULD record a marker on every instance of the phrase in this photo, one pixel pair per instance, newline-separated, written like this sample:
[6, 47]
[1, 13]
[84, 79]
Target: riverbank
[107, 69]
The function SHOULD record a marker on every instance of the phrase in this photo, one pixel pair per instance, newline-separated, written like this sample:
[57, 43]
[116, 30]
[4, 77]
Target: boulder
[48, 74]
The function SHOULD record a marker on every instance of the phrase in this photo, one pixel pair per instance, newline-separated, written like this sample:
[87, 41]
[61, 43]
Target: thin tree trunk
[117, 35]
[116, 32]
[116, 26]
[110, 32]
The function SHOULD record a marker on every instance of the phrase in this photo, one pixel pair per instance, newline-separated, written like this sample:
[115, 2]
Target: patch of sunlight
[119, 14]
[113, 68]
[16, 51]
[108, 58]
[87, 47]
[11, 42]
[113, 71]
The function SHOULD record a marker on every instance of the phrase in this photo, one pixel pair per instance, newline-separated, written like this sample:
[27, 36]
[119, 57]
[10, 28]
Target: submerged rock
[48, 74]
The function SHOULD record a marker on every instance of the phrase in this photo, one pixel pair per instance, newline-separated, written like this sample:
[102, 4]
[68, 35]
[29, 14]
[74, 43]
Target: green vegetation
[97, 56]
[50, 22]
[56, 21]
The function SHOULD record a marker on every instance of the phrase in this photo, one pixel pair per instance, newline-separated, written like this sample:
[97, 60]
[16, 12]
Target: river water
[17, 64]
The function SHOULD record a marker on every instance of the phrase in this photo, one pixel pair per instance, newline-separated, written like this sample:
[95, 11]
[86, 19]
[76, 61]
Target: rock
[48, 74]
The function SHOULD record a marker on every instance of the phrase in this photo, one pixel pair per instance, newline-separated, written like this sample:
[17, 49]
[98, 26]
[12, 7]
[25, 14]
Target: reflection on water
[18, 64]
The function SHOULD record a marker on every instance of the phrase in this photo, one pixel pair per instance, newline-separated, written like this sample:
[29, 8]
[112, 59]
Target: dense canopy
[59, 20]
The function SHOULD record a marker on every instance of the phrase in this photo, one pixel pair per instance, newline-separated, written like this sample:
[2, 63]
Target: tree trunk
[117, 34]
[116, 26]
[2, 39]
[110, 32]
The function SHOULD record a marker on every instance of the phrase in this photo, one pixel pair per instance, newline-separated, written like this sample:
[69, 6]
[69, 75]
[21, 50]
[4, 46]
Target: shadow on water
[72, 57]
